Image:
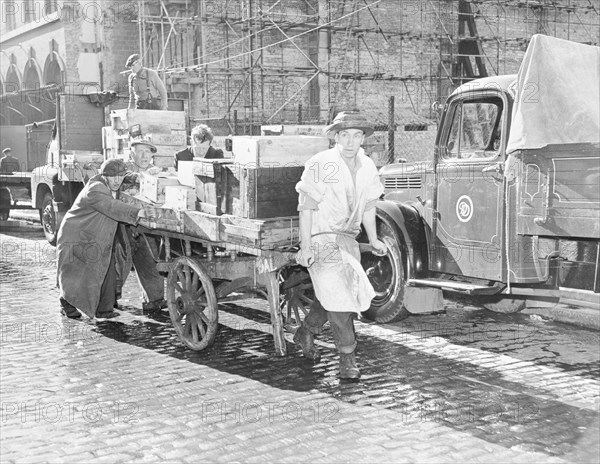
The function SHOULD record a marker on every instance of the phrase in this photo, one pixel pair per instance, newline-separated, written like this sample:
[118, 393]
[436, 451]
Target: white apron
[339, 281]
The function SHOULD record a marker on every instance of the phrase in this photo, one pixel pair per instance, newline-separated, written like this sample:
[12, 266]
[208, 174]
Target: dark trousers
[342, 325]
[109, 288]
[141, 256]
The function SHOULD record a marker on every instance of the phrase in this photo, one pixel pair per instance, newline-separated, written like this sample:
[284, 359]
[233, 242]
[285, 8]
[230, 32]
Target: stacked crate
[259, 182]
[165, 129]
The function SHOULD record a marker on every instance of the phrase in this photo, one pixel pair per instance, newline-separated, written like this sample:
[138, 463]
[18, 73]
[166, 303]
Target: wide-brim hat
[114, 167]
[153, 148]
[6, 150]
[132, 59]
[349, 120]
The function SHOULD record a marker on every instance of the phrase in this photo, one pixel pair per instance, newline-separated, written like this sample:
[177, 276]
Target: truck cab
[509, 229]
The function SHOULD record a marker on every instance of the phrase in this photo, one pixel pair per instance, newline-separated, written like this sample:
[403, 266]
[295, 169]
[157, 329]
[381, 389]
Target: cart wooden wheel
[296, 296]
[192, 303]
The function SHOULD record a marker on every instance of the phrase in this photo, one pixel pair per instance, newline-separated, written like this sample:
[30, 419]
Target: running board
[454, 286]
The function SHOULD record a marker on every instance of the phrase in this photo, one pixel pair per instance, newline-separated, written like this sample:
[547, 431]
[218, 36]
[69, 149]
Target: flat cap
[144, 142]
[6, 150]
[349, 120]
[132, 59]
[114, 167]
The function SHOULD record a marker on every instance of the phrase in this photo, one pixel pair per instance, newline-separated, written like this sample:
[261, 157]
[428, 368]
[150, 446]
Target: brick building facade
[80, 45]
[269, 61]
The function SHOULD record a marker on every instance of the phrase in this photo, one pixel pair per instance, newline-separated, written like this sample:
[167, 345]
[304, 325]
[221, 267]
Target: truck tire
[48, 219]
[388, 277]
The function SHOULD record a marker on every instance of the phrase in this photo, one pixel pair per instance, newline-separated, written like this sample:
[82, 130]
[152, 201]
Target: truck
[62, 154]
[57, 157]
[74, 154]
[507, 210]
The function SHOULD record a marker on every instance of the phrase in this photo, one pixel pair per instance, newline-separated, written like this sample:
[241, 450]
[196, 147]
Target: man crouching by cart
[133, 248]
[86, 264]
[338, 190]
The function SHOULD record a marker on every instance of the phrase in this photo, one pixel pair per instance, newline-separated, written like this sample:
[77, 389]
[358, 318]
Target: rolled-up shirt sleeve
[305, 202]
[371, 204]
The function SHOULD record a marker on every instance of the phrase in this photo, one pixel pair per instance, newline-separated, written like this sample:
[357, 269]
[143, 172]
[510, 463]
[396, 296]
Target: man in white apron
[337, 192]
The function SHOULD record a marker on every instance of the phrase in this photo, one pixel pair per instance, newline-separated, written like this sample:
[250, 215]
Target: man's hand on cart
[378, 248]
[148, 212]
[305, 257]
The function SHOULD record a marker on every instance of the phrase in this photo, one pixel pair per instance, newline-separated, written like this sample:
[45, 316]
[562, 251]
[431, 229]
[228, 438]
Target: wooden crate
[153, 187]
[151, 121]
[247, 192]
[174, 139]
[264, 192]
[212, 185]
[185, 173]
[277, 151]
[265, 234]
[180, 197]
[163, 162]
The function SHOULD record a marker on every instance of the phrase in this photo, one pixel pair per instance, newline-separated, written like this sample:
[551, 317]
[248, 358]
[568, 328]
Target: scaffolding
[251, 62]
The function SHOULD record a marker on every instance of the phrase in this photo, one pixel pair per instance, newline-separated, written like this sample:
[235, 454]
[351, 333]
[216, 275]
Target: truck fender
[42, 180]
[409, 226]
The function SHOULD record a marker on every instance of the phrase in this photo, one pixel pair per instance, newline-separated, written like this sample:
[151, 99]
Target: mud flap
[421, 300]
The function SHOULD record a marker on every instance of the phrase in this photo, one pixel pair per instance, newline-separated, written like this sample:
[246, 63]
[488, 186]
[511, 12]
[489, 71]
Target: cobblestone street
[467, 385]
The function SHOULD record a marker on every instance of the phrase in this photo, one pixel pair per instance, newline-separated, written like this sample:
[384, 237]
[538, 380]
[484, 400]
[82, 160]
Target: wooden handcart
[212, 259]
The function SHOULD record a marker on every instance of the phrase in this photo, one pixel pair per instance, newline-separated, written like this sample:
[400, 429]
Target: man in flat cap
[86, 266]
[146, 89]
[8, 163]
[130, 246]
[337, 192]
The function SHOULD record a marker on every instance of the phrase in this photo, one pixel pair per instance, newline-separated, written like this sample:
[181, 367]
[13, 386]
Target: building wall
[390, 49]
[92, 39]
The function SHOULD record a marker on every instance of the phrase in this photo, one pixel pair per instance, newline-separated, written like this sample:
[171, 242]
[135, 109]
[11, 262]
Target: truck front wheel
[388, 277]
[48, 219]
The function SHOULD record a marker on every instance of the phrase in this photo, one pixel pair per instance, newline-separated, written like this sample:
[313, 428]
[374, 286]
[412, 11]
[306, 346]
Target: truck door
[469, 219]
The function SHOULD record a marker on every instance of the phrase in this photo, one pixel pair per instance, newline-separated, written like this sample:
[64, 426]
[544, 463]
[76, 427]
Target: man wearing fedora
[337, 192]
[8, 163]
[131, 248]
[146, 89]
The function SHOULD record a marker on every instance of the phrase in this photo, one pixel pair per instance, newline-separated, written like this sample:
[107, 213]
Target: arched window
[13, 80]
[10, 113]
[31, 75]
[54, 69]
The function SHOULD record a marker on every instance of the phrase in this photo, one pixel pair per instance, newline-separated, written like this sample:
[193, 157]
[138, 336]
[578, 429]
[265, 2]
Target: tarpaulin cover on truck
[557, 95]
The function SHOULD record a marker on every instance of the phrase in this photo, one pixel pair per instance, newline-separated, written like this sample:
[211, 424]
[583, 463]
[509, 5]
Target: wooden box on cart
[264, 151]
[246, 191]
[264, 192]
[212, 185]
[153, 187]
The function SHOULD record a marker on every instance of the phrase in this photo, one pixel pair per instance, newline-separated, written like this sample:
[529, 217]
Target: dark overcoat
[85, 241]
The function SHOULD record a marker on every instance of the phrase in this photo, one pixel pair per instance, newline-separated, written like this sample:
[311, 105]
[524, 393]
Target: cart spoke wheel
[192, 303]
[296, 296]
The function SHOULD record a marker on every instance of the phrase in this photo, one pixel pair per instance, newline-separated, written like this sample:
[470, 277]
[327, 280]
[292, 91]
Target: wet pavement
[467, 385]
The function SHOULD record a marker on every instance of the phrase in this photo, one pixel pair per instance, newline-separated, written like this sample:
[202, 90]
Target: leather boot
[348, 367]
[305, 339]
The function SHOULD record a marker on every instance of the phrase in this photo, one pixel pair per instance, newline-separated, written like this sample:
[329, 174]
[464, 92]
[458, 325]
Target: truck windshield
[474, 129]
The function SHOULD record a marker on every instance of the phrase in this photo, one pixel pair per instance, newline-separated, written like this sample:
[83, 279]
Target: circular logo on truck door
[464, 208]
